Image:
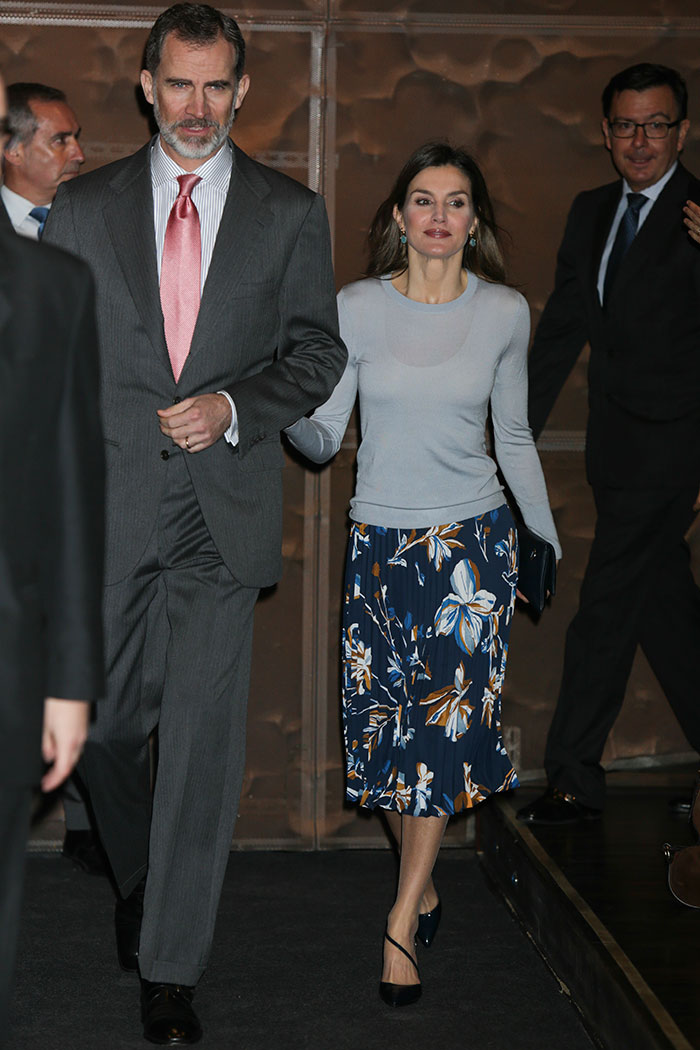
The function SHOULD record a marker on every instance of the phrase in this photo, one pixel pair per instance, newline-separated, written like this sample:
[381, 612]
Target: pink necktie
[180, 272]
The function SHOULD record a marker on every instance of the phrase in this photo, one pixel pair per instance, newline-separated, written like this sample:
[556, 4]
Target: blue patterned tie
[41, 214]
[626, 232]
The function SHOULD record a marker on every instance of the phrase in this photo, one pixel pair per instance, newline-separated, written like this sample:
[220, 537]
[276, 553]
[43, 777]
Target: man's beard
[194, 148]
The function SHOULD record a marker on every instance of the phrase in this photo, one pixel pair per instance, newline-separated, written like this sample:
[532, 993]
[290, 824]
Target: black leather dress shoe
[556, 807]
[128, 914]
[83, 848]
[168, 1015]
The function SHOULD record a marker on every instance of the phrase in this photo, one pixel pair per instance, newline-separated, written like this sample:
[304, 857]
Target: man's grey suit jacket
[267, 332]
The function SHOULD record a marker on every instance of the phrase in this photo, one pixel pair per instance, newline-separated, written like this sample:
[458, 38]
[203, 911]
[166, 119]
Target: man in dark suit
[628, 282]
[194, 395]
[42, 152]
[50, 541]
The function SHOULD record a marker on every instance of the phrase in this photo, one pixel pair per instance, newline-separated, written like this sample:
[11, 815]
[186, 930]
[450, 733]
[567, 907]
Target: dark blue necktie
[626, 232]
[41, 214]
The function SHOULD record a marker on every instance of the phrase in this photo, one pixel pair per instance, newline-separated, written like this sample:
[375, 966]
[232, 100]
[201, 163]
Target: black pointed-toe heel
[400, 994]
[428, 922]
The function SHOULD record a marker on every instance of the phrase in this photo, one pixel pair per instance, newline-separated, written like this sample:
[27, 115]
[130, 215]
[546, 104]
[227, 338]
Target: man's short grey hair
[197, 24]
[21, 120]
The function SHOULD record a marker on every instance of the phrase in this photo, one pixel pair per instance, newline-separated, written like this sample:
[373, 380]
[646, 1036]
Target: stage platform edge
[618, 1007]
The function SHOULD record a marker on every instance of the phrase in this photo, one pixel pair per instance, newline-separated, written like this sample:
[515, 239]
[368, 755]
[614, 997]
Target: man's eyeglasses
[653, 129]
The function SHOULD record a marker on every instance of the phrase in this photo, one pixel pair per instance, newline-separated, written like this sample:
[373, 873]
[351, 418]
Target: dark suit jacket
[644, 371]
[5, 223]
[51, 501]
[266, 332]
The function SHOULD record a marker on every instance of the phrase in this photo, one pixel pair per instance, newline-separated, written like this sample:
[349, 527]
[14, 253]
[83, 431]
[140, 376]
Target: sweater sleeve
[320, 435]
[514, 446]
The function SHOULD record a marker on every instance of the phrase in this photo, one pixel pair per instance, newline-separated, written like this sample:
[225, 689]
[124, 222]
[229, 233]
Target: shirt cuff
[231, 434]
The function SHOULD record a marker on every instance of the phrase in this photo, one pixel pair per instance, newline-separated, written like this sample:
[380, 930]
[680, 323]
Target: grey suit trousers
[178, 635]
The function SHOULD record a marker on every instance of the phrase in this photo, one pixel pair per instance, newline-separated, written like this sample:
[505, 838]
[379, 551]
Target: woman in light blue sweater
[434, 338]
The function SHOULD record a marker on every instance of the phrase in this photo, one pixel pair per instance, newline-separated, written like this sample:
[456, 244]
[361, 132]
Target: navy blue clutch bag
[537, 570]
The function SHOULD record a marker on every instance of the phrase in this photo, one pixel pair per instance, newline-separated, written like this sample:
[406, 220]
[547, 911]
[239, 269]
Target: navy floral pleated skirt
[426, 620]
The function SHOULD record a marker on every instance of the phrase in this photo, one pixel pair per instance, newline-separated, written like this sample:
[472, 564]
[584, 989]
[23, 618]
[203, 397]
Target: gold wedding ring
[187, 443]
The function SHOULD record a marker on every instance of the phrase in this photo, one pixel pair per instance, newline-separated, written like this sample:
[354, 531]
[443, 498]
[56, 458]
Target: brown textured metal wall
[341, 93]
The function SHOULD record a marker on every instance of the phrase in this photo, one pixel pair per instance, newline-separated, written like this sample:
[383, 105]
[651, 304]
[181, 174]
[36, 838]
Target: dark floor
[617, 866]
[295, 964]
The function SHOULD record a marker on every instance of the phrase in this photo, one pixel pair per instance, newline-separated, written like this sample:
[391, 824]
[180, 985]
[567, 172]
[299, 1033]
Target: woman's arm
[320, 435]
[514, 446]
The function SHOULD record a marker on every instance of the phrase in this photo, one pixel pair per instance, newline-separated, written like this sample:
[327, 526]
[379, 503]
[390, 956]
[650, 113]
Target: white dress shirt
[652, 194]
[209, 198]
[18, 209]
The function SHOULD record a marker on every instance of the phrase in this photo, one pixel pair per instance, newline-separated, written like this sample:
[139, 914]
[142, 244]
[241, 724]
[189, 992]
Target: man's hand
[197, 422]
[692, 220]
[64, 733]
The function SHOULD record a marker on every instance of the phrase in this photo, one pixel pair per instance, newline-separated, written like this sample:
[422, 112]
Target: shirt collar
[17, 207]
[216, 171]
[652, 192]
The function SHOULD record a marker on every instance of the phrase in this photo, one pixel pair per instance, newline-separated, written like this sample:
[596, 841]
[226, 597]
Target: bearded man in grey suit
[193, 477]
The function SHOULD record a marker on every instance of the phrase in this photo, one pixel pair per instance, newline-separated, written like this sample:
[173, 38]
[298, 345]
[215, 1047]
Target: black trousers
[637, 590]
[15, 807]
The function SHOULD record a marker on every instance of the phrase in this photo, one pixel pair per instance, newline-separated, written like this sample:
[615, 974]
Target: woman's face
[438, 214]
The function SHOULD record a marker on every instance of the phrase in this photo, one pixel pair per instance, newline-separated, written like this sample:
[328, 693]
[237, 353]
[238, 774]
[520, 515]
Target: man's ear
[14, 155]
[147, 85]
[242, 89]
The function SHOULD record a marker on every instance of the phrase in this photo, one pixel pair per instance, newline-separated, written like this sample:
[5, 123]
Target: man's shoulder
[684, 184]
[597, 197]
[96, 182]
[266, 180]
[27, 260]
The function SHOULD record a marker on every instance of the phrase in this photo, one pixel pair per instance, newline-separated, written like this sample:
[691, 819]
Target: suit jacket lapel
[244, 217]
[129, 220]
[658, 224]
[5, 223]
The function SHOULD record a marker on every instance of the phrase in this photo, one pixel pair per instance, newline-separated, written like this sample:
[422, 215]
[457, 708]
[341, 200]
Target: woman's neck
[431, 280]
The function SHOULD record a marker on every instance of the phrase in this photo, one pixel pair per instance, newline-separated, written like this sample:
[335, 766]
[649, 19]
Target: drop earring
[403, 238]
[472, 241]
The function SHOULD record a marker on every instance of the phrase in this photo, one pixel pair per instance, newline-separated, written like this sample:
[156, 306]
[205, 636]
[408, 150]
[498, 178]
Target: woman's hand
[692, 219]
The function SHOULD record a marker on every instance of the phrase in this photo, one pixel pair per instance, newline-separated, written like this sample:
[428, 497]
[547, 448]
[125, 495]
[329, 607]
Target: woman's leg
[420, 839]
[430, 897]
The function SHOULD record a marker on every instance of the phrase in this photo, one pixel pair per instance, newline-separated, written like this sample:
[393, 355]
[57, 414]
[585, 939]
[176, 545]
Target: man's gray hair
[21, 120]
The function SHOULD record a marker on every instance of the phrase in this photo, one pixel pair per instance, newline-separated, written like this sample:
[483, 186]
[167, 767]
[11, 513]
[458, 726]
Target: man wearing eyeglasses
[628, 284]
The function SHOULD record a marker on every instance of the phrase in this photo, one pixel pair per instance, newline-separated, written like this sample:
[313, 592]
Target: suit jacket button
[165, 454]
[177, 400]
